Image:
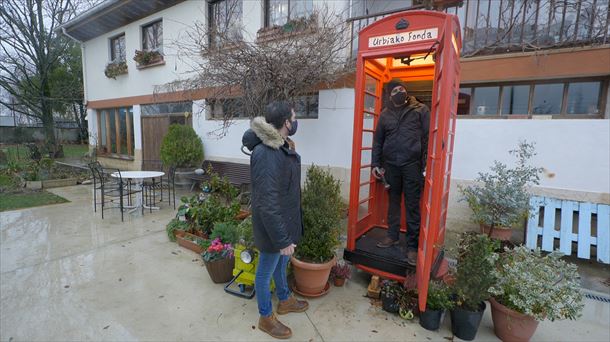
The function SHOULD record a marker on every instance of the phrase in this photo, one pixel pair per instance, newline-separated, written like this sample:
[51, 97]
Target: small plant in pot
[340, 272]
[499, 199]
[315, 253]
[530, 288]
[474, 276]
[182, 147]
[390, 292]
[439, 300]
[219, 260]
[175, 227]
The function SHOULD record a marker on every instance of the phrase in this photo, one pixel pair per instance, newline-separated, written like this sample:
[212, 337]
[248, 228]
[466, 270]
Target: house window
[583, 98]
[152, 36]
[115, 131]
[534, 98]
[486, 100]
[464, 101]
[515, 99]
[279, 12]
[225, 108]
[306, 107]
[117, 49]
[547, 98]
[224, 19]
[167, 108]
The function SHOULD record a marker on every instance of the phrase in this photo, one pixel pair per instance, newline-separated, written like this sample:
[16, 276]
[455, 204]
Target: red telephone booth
[421, 48]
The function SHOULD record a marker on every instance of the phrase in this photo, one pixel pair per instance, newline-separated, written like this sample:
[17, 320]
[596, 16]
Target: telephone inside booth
[422, 49]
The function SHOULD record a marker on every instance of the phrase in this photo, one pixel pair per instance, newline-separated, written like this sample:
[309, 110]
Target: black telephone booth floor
[392, 260]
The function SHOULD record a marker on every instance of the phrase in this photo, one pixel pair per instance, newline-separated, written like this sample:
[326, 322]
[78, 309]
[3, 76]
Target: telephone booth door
[422, 49]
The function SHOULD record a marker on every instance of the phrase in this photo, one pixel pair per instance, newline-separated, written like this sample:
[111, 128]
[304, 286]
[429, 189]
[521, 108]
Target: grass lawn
[22, 152]
[28, 200]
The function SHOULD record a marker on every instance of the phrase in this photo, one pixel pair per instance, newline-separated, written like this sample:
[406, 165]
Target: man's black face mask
[399, 98]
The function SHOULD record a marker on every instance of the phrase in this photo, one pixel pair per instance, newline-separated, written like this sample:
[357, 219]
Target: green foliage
[202, 212]
[500, 197]
[439, 296]
[322, 210]
[227, 232]
[220, 186]
[174, 225]
[246, 233]
[181, 147]
[544, 287]
[217, 250]
[115, 69]
[146, 57]
[475, 265]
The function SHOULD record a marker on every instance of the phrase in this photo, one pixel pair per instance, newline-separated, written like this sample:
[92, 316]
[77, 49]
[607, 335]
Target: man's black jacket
[401, 136]
[275, 171]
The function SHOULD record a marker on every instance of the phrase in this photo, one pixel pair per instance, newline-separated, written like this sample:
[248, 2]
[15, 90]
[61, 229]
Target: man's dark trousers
[405, 180]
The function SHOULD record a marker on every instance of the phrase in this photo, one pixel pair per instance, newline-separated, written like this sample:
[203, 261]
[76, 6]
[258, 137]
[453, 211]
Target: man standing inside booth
[400, 146]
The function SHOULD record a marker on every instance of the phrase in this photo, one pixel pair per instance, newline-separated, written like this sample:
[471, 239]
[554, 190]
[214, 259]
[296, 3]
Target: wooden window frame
[143, 37]
[106, 150]
[267, 8]
[113, 52]
[602, 99]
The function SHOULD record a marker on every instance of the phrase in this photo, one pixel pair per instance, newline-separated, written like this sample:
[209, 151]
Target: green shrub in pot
[181, 147]
[499, 199]
[532, 287]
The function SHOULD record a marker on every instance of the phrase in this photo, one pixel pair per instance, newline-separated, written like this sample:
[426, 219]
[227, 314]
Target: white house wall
[176, 21]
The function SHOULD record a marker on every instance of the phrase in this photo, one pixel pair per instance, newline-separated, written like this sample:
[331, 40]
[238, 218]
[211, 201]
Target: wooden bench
[554, 219]
[238, 174]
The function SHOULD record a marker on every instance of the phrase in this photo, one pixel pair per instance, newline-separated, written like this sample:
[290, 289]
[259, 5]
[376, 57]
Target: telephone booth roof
[417, 30]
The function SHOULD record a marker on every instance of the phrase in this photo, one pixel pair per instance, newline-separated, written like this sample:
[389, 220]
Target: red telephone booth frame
[399, 35]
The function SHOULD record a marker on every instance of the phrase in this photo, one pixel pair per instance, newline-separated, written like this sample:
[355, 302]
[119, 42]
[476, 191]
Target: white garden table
[138, 177]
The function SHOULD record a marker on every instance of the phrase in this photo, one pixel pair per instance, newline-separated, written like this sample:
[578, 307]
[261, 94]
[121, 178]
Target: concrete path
[68, 275]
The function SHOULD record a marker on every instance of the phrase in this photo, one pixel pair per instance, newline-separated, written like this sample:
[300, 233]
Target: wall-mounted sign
[403, 37]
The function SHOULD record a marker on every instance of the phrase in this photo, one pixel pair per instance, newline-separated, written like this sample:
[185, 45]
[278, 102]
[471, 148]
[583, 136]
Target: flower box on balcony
[148, 58]
[292, 28]
[114, 69]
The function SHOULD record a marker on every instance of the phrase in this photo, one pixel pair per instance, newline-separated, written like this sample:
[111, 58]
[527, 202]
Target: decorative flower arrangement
[146, 57]
[218, 251]
[114, 69]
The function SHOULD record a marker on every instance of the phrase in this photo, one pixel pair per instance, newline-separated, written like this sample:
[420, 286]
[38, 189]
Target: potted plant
[192, 242]
[530, 288]
[474, 276]
[439, 300]
[114, 69]
[174, 228]
[499, 199]
[182, 147]
[322, 209]
[340, 272]
[147, 57]
[218, 259]
[390, 291]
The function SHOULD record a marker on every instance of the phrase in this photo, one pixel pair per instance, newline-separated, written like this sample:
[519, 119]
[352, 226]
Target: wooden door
[154, 128]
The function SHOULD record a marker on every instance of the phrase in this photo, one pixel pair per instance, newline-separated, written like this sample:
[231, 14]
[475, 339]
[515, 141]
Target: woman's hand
[288, 250]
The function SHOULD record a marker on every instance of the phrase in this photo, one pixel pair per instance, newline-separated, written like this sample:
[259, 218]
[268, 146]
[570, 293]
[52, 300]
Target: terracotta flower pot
[499, 233]
[188, 244]
[243, 214]
[339, 281]
[179, 233]
[311, 279]
[221, 271]
[510, 325]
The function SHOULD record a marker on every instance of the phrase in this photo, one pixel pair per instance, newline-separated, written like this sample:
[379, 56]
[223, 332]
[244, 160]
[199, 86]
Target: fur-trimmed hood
[262, 132]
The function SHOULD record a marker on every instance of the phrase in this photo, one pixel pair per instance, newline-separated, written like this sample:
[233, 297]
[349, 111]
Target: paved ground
[66, 274]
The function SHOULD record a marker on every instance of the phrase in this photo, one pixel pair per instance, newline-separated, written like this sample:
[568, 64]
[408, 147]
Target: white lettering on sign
[404, 37]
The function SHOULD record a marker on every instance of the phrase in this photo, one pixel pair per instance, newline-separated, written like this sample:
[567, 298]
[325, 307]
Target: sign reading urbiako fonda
[403, 37]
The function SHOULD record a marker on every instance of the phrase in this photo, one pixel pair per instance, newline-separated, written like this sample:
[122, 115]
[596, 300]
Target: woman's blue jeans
[270, 265]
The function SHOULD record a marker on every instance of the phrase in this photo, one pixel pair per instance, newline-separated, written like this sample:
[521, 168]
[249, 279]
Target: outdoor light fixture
[247, 256]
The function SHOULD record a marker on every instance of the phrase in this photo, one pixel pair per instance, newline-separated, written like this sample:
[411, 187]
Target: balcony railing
[501, 26]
